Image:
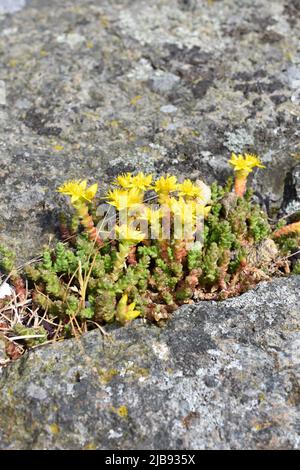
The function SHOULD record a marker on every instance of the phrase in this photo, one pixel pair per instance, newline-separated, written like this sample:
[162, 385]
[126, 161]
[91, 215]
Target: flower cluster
[156, 243]
[141, 201]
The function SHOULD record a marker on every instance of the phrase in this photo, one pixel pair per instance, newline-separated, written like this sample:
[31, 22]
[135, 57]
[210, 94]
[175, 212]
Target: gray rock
[296, 181]
[2, 93]
[168, 109]
[291, 200]
[219, 376]
[11, 6]
[236, 141]
[70, 72]
[163, 82]
[293, 74]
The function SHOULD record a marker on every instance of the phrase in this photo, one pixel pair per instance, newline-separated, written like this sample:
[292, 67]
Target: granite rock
[11, 6]
[92, 89]
[85, 85]
[220, 375]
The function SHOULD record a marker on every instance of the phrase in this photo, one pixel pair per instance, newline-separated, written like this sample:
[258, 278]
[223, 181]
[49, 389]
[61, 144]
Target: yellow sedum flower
[182, 209]
[153, 219]
[151, 215]
[124, 180]
[189, 189]
[78, 191]
[126, 312]
[165, 185]
[187, 211]
[123, 199]
[206, 210]
[129, 234]
[142, 181]
[245, 163]
[163, 199]
[139, 181]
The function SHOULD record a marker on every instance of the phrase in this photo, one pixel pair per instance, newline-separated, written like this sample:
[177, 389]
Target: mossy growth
[197, 242]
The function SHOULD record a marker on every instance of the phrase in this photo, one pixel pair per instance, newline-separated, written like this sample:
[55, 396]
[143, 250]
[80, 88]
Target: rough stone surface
[221, 375]
[291, 199]
[11, 6]
[86, 89]
[90, 88]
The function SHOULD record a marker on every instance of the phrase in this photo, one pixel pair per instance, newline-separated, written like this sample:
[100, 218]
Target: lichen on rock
[219, 376]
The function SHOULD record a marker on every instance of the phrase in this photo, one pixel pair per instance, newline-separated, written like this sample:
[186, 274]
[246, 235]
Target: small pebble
[168, 109]
[5, 290]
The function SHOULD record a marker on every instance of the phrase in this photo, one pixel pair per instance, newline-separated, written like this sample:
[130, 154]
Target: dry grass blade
[100, 328]
[16, 312]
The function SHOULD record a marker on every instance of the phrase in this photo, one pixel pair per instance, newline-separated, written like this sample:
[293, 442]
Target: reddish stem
[288, 229]
[240, 185]
[131, 258]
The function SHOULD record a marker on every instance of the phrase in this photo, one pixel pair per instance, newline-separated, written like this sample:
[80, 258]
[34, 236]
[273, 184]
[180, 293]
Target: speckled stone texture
[221, 375]
[94, 88]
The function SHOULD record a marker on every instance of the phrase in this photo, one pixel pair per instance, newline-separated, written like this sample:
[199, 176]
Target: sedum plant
[159, 244]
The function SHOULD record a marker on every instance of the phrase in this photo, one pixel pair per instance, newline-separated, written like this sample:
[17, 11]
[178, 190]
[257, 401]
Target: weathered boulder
[220, 375]
[97, 88]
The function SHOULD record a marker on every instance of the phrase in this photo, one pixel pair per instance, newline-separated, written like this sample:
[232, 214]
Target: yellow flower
[151, 215]
[126, 312]
[200, 209]
[207, 210]
[139, 181]
[163, 199]
[124, 180]
[169, 202]
[245, 163]
[123, 199]
[78, 191]
[142, 181]
[129, 234]
[153, 218]
[182, 209]
[166, 184]
[189, 189]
